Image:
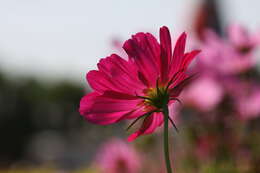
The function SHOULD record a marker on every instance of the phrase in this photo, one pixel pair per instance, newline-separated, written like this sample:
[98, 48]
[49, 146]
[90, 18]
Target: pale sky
[66, 38]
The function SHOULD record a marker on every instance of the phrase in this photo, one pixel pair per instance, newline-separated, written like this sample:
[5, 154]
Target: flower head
[247, 101]
[204, 94]
[116, 156]
[152, 76]
[241, 39]
[231, 55]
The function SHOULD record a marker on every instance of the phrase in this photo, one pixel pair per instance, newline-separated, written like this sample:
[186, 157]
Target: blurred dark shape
[29, 107]
[40, 124]
[207, 16]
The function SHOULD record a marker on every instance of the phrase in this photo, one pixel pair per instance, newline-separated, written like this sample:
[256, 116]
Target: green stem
[165, 136]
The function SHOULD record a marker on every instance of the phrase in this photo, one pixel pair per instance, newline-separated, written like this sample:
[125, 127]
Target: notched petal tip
[90, 74]
[165, 34]
[127, 46]
[164, 28]
[166, 51]
[86, 102]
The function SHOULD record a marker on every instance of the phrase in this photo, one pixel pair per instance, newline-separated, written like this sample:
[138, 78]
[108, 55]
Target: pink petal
[122, 73]
[103, 83]
[154, 47]
[115, 74]
[177, 78]
[188, 57]
[135, 113]
[178, 54]
[238, 35]
[86, 102]
[166, 51]
[143, 51]
[114, 64]
[150, 123]
[109, 107]
[180, 84]
[105, 118]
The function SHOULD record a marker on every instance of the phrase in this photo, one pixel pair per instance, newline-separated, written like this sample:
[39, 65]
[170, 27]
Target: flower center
[244, 49]
[156, 97]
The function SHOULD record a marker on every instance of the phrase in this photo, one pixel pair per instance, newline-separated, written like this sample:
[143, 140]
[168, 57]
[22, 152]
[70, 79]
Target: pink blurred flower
[246, 96]
[248, 104]
[152, 76]
[229, 56]
[241, 39]
[116, 156]
[204, 93]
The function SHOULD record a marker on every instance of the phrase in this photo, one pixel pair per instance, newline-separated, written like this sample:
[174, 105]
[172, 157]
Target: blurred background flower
[117, 156]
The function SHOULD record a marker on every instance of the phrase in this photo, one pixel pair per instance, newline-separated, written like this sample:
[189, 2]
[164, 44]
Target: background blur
[46, 48]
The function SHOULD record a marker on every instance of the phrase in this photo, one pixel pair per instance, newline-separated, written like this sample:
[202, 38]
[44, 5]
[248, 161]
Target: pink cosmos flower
[153, 75]
[246, 96]
[229, 56]
[248, 105]
[204, 93]
[116, 156]
[242, 40]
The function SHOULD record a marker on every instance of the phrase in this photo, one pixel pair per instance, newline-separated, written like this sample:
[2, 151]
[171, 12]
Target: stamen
[145, 98]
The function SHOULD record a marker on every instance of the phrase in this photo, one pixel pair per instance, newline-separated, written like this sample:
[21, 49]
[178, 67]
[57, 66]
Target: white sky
[65, 38]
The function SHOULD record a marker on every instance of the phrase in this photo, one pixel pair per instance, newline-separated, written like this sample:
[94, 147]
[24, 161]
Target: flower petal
[123, 73]
[180, 84]
[102, 84]
[86, 102]
[154, 47]
[142, 49]
[150, 123]
[110, 107]
[116, 74]
[166, 51]
[188, 57]
[238, 35]
[178, 54]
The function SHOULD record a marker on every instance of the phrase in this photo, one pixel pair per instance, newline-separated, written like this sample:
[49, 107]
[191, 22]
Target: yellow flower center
[156, 97]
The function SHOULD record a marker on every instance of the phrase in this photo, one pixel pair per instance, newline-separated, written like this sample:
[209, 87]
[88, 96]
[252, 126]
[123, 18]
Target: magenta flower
[139, 86]
[116, 156]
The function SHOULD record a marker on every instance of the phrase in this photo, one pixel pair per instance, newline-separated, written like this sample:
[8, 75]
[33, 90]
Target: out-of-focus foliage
[221, 109]
[29, 108]
[40, 125]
